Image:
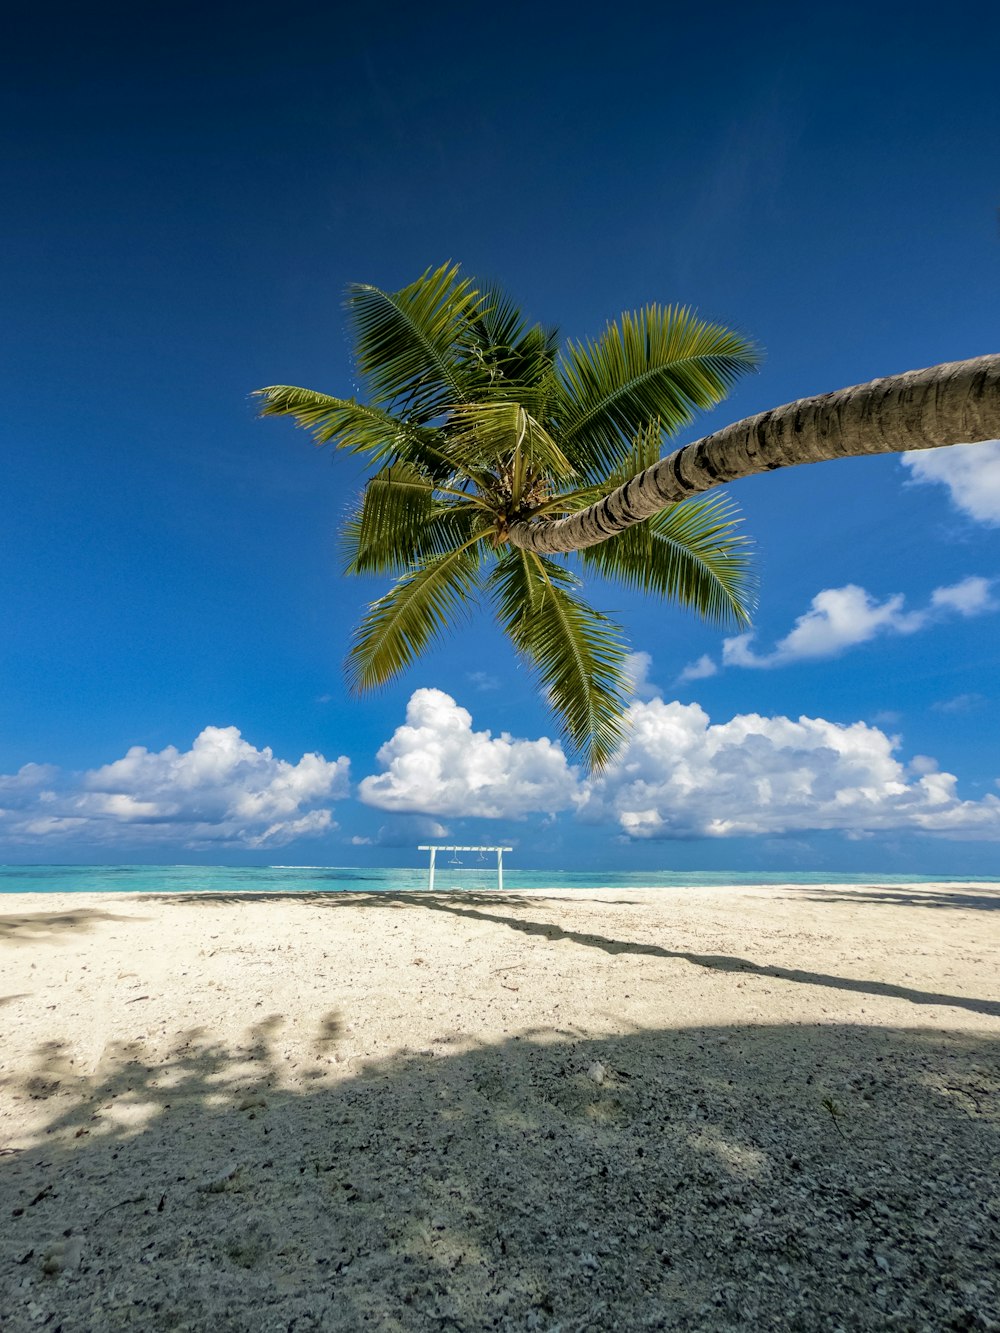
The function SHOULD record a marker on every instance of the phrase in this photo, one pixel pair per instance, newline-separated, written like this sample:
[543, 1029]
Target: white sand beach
[725, 1108]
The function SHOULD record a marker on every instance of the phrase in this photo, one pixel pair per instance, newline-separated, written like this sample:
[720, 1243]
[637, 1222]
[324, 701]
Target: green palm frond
[409, 343]
[659, 364]
[396, 525]
[692, 553]
[454, 525]
[498, 324]
[418, 608]
[508, 356]
[577, 652]
[383, 534]
[501, 435]
[357, 427]
[645, 451]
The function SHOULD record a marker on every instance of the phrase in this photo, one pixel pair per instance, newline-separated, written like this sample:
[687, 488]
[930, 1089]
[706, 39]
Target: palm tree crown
[475, 421]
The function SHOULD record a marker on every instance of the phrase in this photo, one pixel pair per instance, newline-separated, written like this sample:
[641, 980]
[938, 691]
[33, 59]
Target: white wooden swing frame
[435, 849]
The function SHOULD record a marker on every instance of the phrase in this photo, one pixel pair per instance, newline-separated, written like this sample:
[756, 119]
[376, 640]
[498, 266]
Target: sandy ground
[773, 1107]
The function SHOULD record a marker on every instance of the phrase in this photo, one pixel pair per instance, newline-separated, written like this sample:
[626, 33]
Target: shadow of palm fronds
[683, 1179]
[29, 927]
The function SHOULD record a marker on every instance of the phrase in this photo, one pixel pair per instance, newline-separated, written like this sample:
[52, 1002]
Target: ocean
[449, 877]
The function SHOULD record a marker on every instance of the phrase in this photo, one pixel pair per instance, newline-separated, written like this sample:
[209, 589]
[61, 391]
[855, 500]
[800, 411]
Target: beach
[753, 1107]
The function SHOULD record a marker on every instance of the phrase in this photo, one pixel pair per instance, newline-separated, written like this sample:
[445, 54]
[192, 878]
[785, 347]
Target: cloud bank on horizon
[223, 791]
[679, 775]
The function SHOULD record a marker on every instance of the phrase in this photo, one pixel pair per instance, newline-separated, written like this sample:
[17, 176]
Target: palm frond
[645, 451]
[418, 608]
[383, 533]
[501, 434]
[409, 343]
[399, 521]
[577, 652]
[506, 355]
[499, 323]
[661, 363]
[691, 553]
[356, 427]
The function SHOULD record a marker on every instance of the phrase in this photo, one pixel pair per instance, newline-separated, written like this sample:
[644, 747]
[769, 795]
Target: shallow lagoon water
[471, 874]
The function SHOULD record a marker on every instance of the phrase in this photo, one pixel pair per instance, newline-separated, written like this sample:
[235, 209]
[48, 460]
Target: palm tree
[496, 450]
[476, 424]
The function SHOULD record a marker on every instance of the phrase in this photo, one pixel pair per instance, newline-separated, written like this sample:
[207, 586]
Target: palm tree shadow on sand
[979, 900]
[29, 927]
[807, 1178]
[473, 906]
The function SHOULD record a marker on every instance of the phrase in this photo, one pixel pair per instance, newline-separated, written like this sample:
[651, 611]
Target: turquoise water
[472, 874]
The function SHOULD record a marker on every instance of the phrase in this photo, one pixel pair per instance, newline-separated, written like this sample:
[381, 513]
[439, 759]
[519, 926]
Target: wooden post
[500, 869]
[430, 883]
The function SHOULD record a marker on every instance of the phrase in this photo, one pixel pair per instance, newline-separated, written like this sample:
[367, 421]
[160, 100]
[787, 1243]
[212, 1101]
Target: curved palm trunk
[956, 403]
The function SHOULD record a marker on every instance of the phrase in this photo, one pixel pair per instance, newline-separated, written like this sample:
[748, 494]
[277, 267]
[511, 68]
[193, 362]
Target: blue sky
[186, 198]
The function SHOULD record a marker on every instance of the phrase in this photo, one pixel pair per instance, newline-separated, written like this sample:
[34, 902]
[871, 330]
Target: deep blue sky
[187, 192]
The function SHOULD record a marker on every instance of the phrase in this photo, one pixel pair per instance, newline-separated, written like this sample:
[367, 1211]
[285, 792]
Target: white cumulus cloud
[24, 784]
[436, 764]
[970, 471]
[222, 790]
[680, 776]
[971, 597]
[699, 670]
[842, 618]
